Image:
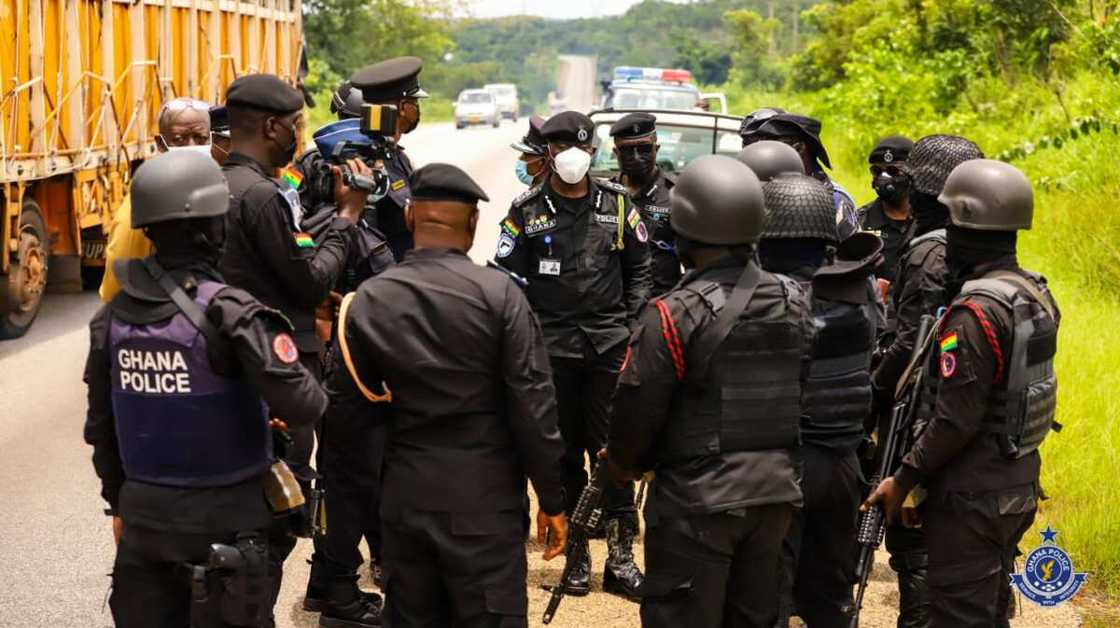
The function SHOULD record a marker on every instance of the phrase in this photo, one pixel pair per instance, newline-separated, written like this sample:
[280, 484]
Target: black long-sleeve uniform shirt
[289, 390]
[473, 408]
[267, 257]
[653, 201]
[581, 283]
[956, 453]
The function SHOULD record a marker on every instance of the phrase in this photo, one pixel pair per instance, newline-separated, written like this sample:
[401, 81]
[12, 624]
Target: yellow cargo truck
[81, 83]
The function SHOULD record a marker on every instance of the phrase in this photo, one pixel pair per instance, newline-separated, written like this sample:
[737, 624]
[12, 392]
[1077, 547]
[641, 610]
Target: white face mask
[572, 165]
[201, 149]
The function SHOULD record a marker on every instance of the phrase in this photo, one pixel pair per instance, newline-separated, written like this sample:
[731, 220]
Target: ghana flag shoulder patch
[510, 227]
[292, 177]
[304, 240]
[949, 342]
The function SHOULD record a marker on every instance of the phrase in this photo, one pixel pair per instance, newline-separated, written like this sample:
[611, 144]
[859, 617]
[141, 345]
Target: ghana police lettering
[153, 372]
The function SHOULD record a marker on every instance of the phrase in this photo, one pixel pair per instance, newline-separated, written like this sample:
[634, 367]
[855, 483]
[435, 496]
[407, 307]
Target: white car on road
[476, 106]
[505, 94]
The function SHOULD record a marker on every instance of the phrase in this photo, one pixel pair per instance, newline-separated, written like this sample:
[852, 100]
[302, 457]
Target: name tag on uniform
[397, 185]
[549, 266]
[610, 219]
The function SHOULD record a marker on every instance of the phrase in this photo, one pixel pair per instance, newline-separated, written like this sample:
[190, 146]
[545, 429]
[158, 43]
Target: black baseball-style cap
[390, 80]
[634, 126]
[568, 126]
[533, 143]
[444, 182]
[265, 92]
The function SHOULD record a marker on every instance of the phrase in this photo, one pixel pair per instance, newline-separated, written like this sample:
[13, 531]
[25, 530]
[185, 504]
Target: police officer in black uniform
[799, 241]
[992, 359]
[635, 148]
[888, 216]
[179, 364]
[919, 289]
[451, 356]
[394, 82]
[804, 135]
[583, 247]
[710, 401]
[532, 166]
[266, 252]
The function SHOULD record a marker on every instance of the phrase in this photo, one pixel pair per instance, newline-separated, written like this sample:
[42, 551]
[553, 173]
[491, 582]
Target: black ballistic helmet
[798, 206]
[770, 158]
[718, 200]
[934, 157]
[177, 185]
[988, 195]
[346, 101]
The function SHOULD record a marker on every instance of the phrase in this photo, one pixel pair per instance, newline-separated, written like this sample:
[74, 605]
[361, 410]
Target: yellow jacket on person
[124, 243]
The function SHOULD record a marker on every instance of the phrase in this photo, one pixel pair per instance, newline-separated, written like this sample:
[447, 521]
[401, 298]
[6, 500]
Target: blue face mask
[522, 170]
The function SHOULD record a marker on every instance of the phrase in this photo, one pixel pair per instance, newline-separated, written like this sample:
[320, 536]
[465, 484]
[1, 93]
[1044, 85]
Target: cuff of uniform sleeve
[907, 477]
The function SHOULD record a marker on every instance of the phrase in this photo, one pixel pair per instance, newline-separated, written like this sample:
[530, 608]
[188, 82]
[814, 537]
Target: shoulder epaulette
[610, 185]
[528, 195]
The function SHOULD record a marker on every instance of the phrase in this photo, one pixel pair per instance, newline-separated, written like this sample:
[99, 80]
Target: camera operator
[394, 83]
[266, 254]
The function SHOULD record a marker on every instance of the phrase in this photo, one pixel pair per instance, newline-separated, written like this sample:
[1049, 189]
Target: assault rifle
[894, 444]
[584, 519]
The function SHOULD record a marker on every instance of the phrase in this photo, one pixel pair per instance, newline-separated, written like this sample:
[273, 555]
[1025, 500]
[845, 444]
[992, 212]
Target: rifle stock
[872, 522]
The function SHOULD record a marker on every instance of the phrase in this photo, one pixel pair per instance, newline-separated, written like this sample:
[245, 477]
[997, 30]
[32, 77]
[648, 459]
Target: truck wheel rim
[32, 269]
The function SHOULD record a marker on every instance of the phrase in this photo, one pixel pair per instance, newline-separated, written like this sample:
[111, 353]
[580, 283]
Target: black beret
[390, 80]
[568, 126]
[219, 120]
[797, 126]
[444, 182]
[891, 149]
[266, 92]
[633, 126]
[533, 143]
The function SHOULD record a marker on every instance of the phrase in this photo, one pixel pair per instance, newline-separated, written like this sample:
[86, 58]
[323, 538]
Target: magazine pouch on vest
[178, 422]
[748, 396]
[1025, 402]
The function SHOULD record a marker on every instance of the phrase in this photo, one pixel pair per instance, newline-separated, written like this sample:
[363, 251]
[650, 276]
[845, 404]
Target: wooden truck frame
[81, 84]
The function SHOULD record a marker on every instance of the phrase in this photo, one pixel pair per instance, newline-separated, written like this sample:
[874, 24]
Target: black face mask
[891, 189]
[636, 162]
[966, 250]
[289, 151]
[929, 213]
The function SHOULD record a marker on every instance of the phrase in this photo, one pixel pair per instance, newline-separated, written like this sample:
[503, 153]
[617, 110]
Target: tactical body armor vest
[837, 395]
[1024, 400]
[178, 422]
[748, 398]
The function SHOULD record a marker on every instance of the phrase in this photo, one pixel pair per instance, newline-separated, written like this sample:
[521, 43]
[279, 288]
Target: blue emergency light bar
[631, 73]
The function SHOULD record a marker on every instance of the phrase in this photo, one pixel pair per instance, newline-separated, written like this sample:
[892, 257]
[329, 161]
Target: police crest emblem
[1048, 578]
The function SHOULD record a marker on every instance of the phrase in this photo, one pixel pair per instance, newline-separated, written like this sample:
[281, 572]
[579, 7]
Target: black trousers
[819, 553]
[909, 558]
[456, 570]
[714, 570]
[152, 588]
[353, 497]
[585, 388]
[973, 540]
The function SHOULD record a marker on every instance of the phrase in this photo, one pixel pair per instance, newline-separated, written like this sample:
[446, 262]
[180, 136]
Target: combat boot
[347, 606]
[580, 583]
[621, 575]
[319, 589]
[913, 590]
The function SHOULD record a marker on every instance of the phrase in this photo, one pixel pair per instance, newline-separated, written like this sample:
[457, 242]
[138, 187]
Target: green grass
[1075, 242]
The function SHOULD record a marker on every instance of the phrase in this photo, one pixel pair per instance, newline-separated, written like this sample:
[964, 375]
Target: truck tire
[26, 281]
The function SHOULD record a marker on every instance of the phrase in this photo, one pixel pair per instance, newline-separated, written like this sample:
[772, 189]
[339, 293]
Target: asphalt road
[56, 548]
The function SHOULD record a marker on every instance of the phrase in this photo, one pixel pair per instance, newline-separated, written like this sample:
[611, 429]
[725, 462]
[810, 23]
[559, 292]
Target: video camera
[366, 138]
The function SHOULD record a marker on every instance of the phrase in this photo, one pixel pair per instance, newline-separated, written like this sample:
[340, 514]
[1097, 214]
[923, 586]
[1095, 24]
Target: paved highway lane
[56, 548]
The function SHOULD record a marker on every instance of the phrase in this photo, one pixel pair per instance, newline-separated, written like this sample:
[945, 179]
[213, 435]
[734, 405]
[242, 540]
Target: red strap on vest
[989, 333]
[672, 338]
